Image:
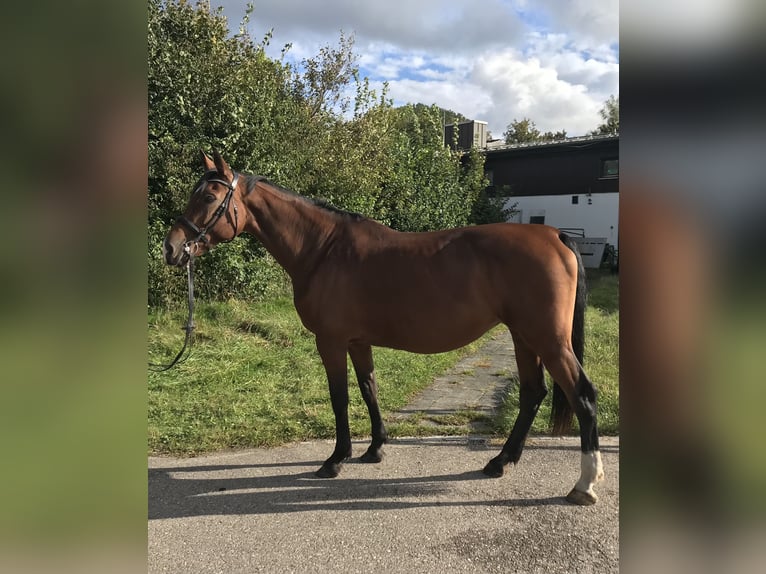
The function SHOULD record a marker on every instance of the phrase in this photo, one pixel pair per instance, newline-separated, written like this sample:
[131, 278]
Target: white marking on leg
[599, 467]
[591, 471]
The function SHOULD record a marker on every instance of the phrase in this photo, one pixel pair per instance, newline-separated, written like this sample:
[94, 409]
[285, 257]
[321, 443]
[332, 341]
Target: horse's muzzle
[176, 256]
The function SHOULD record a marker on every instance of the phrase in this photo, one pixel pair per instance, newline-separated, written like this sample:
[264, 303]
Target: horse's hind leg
[581, 394]
[361, 357]
[532, 391]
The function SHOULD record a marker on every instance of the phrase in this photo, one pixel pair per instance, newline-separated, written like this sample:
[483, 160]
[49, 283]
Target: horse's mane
[252, 180]
[324, 204]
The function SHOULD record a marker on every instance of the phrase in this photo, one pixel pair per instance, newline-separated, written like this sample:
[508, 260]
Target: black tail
[561, 411]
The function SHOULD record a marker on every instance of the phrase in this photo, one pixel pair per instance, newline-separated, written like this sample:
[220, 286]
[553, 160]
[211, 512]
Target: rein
[201, 232]
[189, 327]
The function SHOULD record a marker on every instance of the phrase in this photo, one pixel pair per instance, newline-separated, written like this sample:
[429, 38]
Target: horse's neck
[292, 229]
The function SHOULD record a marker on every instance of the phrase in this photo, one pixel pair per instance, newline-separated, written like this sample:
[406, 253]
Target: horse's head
[212, 215]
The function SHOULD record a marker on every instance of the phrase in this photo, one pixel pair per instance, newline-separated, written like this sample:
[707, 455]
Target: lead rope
[189, 328]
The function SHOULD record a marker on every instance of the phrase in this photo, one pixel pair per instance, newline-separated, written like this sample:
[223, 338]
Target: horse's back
[499, 239]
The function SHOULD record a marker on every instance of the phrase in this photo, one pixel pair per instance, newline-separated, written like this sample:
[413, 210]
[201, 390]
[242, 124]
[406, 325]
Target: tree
[525, 131]
[430, 186]
[489, 209]
[323, 79]
[610, 113]
[450, 117]
[554, 136]
[521, 131]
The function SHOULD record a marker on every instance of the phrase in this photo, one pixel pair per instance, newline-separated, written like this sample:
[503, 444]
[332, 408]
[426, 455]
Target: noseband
[217, 214]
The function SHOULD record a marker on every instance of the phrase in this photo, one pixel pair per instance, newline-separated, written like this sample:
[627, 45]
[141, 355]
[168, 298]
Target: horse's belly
[427, 334]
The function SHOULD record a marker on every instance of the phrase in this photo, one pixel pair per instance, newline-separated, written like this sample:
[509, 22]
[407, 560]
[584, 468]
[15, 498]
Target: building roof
[579, 141]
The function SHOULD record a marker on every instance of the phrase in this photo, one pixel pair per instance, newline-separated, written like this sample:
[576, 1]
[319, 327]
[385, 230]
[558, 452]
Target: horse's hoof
[581, 498]
[494, 469]
[328, 470]
[372, 455]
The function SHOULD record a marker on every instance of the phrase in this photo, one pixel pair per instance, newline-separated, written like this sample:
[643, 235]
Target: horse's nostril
[168, 252]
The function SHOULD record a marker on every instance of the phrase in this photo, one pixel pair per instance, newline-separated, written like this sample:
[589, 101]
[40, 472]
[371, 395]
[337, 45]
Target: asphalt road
[426, 508]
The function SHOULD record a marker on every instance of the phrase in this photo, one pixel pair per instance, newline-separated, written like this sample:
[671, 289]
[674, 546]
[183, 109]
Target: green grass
[602, 350]
[254, 379]
[601, 361]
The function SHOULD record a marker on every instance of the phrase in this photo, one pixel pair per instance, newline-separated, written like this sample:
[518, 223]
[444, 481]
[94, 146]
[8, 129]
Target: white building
[571, 184]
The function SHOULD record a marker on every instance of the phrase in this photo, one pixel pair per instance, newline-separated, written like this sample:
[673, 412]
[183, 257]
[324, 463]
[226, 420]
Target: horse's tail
[561, 411]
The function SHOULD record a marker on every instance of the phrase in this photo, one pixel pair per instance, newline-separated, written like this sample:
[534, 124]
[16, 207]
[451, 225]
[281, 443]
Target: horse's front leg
[333, 356]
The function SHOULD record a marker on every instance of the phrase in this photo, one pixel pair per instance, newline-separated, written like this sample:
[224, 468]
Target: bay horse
[358, 284]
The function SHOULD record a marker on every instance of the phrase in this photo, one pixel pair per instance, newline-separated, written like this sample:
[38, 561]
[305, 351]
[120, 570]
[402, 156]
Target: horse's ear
[206, 161]
[220, 164]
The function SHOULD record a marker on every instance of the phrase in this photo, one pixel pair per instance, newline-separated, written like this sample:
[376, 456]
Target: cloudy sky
[553, 61]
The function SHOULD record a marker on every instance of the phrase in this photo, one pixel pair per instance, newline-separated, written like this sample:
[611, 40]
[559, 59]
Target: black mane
[252, 180]
[324, 204]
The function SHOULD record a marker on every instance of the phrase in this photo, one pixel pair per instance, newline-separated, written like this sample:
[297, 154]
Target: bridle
[201, 232]
[222, 208]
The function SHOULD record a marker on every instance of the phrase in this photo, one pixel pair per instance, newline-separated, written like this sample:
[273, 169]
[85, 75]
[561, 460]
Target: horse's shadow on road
[176, 492]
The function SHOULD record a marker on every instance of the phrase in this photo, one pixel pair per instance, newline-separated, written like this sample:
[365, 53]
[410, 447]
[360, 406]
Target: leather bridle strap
[217, 214]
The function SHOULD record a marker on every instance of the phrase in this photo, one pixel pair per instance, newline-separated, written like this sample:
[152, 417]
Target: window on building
[610, 168]
[537, 219]
[575, 199]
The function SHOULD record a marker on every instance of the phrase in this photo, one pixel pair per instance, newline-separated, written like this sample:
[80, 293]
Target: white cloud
[425, 24]
[456, 96]
[554, 62]
[525, 88]
[597, 69]
[390, 64]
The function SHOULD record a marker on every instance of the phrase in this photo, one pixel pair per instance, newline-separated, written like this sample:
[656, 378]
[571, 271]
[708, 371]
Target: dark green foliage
[446, 117]
[525, 131]
[430, 186]
[296, 125]
[491, 209]
[610, 113]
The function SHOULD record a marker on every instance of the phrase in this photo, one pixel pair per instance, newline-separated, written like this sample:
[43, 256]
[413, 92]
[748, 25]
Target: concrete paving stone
[479, 382]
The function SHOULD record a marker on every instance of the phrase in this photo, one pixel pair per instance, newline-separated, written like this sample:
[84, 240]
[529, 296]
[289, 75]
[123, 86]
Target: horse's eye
[209, 198]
